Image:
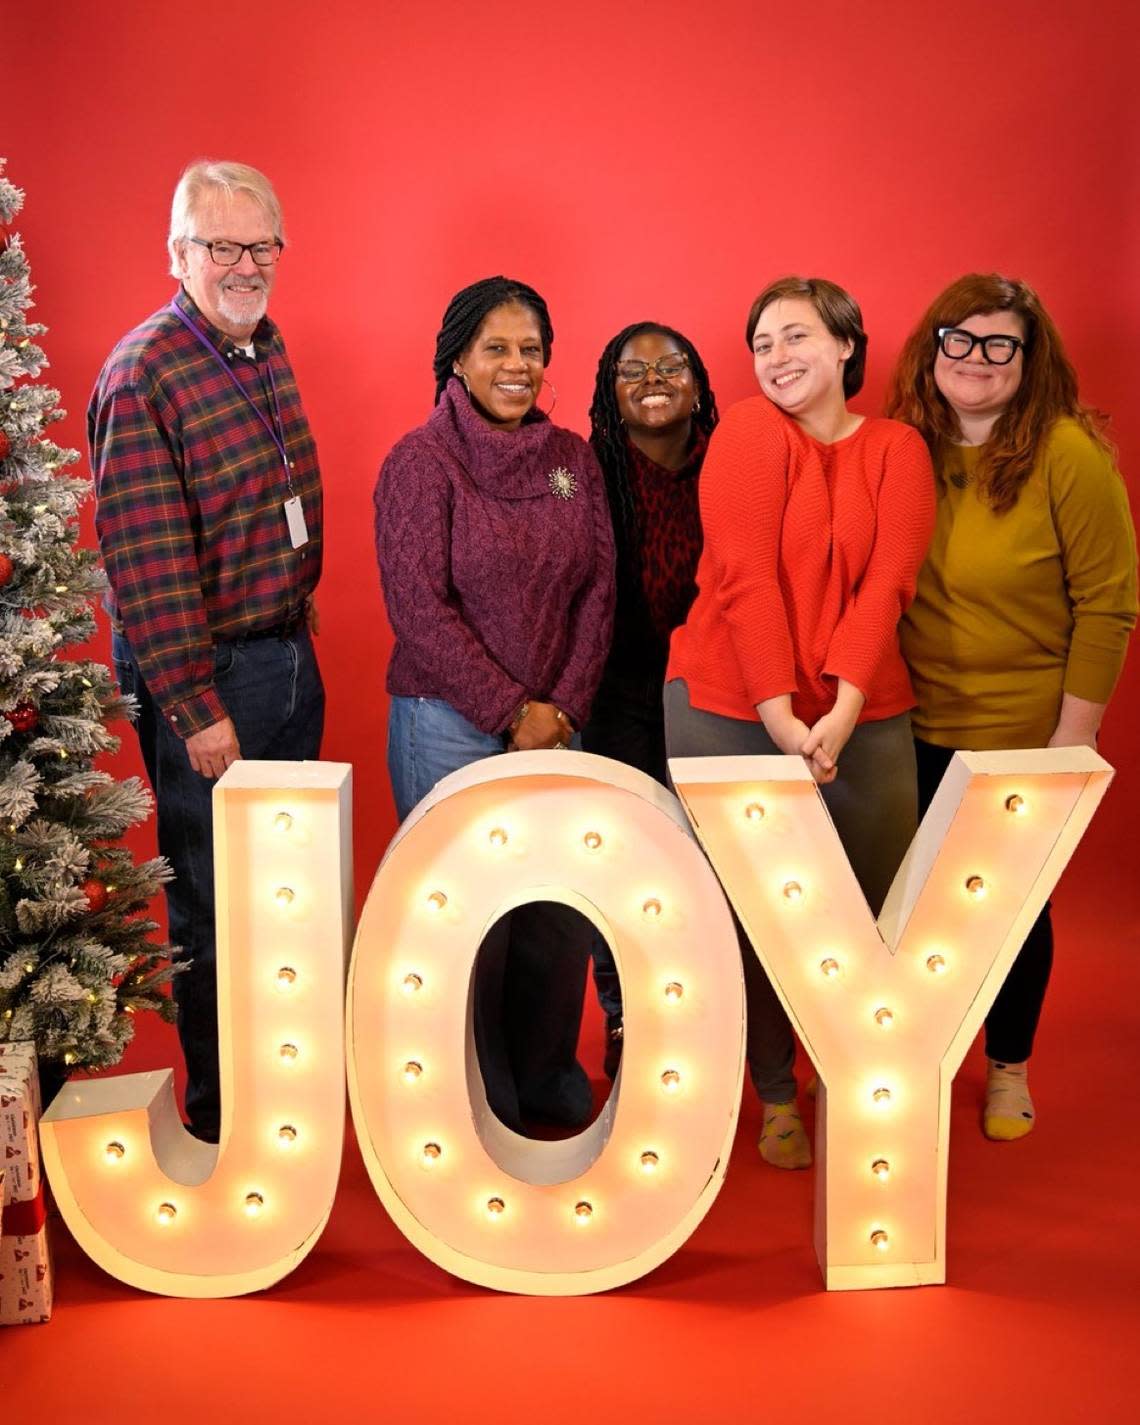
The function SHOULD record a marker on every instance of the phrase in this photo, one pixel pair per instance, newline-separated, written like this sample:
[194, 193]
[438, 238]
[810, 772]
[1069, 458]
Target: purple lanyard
[277, 430]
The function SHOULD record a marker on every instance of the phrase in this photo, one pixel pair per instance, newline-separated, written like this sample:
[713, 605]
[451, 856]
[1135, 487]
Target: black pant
[1012, 1022]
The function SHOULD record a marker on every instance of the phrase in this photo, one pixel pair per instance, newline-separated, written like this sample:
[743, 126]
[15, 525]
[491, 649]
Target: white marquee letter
[887, 1011]
[152, 1205]
[487, 1204]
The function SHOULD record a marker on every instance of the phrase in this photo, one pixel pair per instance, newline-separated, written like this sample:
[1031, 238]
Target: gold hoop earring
[553, 392]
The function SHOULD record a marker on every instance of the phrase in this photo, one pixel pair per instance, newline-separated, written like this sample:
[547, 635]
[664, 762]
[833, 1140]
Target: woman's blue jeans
[531, 971]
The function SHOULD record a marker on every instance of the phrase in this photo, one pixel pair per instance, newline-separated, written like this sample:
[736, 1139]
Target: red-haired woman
[1018, 630]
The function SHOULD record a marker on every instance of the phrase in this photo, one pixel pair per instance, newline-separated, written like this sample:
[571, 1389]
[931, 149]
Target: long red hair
[1048, 388]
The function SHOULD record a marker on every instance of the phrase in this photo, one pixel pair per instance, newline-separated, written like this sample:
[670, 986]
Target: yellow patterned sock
[783, 1142]
[1009, 1109]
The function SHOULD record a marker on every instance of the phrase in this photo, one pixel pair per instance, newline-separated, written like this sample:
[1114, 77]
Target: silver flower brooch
[563, 483]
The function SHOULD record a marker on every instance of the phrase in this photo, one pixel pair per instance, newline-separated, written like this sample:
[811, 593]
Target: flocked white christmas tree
[76, 961]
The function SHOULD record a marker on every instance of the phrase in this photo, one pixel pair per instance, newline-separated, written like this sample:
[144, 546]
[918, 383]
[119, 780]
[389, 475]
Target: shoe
[783, 1141]
[615, 1035]
[565, 1099]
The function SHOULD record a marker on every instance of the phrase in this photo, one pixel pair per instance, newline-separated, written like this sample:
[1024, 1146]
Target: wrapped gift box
[25, 1264]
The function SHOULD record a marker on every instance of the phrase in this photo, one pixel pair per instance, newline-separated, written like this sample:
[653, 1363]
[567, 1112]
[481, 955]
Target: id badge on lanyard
[292, 507]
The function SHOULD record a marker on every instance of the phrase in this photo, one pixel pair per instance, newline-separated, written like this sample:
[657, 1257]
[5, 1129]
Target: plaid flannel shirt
[189, 487]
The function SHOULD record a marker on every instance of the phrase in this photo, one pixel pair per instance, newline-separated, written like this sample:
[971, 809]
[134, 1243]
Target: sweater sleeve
[1098, 553]
[743, 493]
[592, 613]
[904, 523]
[413, 548]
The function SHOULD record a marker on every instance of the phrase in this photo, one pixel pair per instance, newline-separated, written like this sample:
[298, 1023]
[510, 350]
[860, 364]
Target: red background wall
[630, 159]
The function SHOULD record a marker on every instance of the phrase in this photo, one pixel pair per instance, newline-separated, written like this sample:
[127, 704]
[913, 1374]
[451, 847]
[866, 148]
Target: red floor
[1040, 1320]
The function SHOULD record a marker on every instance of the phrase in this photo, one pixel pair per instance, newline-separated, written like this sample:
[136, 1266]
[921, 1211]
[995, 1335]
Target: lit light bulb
[936, 964]
[651, 908]
[411, 984]
[793, 891]
[674, 990]
[436, 901]
[288, 1052]
[29, 966]
[63, 754]
[829, 967]
[754, 811]
[881, 1096]
[496, 1207]
[283, 821]
[884, 1017]
[69, 1057]
[1015, 804]
[976, 887]
[166, 1213]
[286, 1136]
[497, 836]
[881, 1169]
[92, 997]
[61, 588]
[284, 895]
[18, 864]
[880, 1239]
[286, 977]
[649, 1161]
[431, 1154]
[254, 1202]
[412, 1070]
[670, 1080]
[592, 841]
[583, 1211]
[114, 1152]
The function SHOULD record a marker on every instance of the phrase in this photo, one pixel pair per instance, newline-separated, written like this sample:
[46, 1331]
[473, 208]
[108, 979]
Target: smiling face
[655, 403]
[503, 366]
[234, 298]
[974, 388]
[799, 364]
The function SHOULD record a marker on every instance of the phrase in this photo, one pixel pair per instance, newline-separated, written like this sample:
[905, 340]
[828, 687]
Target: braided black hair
[465, 314]
[607, 434]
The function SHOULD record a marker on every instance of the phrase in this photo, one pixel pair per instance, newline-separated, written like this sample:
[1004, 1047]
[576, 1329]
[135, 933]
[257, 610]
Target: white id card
[295, 519]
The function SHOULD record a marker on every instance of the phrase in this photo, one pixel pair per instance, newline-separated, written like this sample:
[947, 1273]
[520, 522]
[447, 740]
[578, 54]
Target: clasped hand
[544, 726]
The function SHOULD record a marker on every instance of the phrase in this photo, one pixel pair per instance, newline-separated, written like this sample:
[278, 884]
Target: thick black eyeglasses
[667, 366]
[997, 350]
[229, 254]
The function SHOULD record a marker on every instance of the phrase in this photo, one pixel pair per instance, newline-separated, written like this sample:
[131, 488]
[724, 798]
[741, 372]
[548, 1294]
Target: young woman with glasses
[650, 420]
[496, 558]
[816, 520]
[1018, 630]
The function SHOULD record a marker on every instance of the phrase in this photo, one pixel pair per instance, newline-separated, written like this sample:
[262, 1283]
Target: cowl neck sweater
[496, 557]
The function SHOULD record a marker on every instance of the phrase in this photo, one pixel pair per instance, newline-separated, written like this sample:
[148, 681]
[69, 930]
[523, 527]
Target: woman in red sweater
[816, 520]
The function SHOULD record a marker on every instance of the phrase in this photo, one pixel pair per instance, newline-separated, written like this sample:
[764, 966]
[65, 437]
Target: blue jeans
[531, 971]
[272, 690]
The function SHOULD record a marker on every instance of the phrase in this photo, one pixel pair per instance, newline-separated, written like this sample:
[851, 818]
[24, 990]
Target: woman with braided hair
[496, 558]
[652, 414]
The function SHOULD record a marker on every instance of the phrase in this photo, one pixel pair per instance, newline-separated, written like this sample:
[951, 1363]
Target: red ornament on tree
[6, 567]
[5, 234]
[5, 445]
[96, 893]
[23, 717]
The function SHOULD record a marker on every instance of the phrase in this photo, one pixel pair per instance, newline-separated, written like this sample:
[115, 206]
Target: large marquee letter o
[489, 1205]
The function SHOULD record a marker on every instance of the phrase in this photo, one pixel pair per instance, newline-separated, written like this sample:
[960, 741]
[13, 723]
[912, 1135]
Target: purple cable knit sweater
[497, 589]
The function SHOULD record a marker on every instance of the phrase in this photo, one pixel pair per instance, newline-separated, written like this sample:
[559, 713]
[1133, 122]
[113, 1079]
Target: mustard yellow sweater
[1013, 610]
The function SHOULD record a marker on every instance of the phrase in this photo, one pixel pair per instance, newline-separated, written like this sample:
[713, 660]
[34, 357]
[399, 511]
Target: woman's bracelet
[519, 718]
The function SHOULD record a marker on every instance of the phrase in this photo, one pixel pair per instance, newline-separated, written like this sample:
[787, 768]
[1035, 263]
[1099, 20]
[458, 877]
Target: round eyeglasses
[668, 366]
[229, 254]
[957, 344]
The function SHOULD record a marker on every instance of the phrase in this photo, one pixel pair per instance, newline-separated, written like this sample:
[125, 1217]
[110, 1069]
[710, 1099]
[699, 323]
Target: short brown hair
[838, 311]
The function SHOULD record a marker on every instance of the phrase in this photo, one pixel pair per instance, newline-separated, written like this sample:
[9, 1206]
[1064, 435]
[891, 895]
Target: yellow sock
[783, 1142]
[1009, 1109]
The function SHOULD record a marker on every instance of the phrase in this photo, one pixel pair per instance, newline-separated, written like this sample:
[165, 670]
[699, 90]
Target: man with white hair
[209, 521]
